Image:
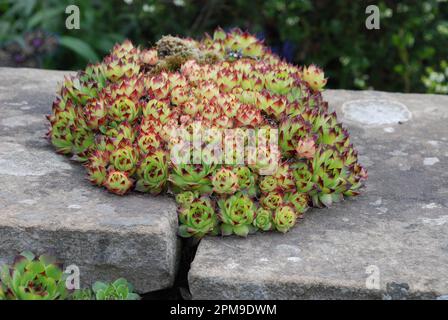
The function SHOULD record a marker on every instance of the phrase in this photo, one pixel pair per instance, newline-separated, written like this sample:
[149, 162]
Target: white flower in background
[179, 3]
[148, 8]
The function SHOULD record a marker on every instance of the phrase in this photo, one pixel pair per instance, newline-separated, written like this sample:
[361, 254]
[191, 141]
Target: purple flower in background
[37, 42]
[19, 58]
[29, 52]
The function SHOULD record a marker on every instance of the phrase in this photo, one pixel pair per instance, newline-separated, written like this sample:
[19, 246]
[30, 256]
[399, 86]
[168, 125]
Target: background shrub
[406, 54]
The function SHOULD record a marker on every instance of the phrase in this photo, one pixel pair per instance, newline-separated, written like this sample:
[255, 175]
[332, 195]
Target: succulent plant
[225, 181]
[120, 289]
[118, 182]
[314, 76]
[306, 148]
[192, 177]
[124, 157]
[184, 199]
[284, 177]
[33, 278]
[237, 214]
[121, 118]
[300, 201]
[152, 172]
[83, 294]
[327, 179]
[291, 132]
[271, 200]
[246, 180]
[268, 184]
[197, 218]
[263, 219]
[97, 166]
[284, 218]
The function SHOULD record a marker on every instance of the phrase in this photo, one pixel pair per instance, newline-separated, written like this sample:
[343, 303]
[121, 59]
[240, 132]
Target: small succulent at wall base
[33, 278]
[83, 294]
[120, 289]
[284, 218]
[263, 219]
[120, 119]
[300, 201]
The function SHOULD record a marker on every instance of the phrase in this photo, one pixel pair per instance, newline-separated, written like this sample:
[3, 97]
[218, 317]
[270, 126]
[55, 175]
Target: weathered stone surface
[398, 226]
[47, 205]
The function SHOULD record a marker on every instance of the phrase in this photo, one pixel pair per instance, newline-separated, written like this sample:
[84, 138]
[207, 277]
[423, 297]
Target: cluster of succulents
[33, 277]
[118, 117]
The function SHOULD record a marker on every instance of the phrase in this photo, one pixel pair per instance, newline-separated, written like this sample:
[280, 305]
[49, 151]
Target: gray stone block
[47, 205]
[396, 232]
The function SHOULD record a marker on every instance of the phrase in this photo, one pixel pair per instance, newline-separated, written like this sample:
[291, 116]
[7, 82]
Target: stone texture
[397, 227]
[47, 205]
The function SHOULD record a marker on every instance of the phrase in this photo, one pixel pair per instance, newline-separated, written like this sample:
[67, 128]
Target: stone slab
[47, 205]
[396, 232]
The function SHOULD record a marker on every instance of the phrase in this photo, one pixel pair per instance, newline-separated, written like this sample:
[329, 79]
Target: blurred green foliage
[411, 44]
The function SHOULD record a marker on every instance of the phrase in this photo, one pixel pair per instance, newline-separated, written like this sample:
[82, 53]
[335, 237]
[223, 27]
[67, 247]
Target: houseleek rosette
[191, 177]
[120, 289]
[225, 181]
[300, 201]
[118, 182]
[263, 219]
[237, 214]
[271, 200]
[246, 180]
[97, 167]
[33, 278]
[284, 218]
[185, 199]
[124, 157]
[152, 173]
[268, 184]
[197, 218]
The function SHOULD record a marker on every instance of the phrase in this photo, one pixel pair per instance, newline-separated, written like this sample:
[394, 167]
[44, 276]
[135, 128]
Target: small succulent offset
[83, 294]
[33, 278]
[120, 289]
[117, 117]
[263, 219]
[284, 218]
